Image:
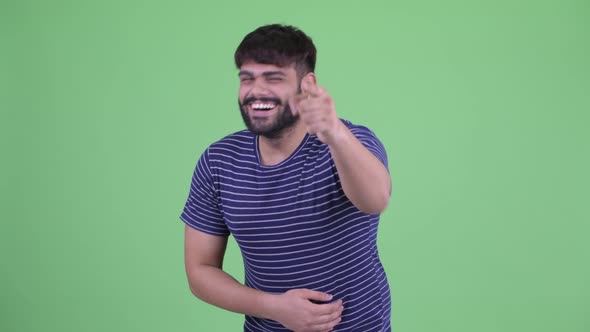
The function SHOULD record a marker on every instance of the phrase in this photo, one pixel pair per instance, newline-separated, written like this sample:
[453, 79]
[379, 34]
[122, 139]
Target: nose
[259, 88]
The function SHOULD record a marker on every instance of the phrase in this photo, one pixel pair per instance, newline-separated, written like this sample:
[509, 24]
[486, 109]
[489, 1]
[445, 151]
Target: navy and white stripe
[294, 225]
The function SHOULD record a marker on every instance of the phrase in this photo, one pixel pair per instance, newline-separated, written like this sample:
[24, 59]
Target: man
[301, 191]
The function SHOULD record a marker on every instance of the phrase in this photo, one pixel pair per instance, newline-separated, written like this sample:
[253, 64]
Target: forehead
[256, 68]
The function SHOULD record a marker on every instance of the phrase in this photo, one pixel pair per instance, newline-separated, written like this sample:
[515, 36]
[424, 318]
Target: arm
[365, 180]
[203, 257]
[207, 281]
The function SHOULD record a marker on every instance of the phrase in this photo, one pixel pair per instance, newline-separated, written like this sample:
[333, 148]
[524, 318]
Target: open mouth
[259, 106]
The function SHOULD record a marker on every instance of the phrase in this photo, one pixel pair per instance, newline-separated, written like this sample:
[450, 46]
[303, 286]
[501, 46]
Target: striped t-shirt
[294, 225]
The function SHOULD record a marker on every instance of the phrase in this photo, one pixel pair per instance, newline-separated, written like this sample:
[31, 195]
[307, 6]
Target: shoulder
[368, 138]
[358, 130]
[235, 148]
[239, 140]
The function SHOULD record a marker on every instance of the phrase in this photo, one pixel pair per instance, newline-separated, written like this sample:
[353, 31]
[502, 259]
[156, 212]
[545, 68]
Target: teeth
[263, 106]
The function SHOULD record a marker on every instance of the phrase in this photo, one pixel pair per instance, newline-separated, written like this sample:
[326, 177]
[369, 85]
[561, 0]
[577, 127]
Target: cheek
[288, 94]
[241, 95]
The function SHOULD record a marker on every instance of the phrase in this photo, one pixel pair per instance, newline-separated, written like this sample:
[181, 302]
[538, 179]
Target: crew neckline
[293, 154]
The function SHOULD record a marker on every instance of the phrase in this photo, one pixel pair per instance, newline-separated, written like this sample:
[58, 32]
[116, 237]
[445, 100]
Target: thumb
[308, 85]
[315, 295]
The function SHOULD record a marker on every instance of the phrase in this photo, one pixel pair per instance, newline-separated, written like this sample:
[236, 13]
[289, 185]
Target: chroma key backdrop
[483, 107]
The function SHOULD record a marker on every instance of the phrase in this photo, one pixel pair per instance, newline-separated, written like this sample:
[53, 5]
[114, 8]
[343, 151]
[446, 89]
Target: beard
[283, 120]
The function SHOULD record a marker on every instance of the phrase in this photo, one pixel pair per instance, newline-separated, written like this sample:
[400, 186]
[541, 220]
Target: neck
[275, 150]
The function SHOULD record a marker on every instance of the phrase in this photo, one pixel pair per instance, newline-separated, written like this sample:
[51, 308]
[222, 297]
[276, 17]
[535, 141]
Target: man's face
[264, 96]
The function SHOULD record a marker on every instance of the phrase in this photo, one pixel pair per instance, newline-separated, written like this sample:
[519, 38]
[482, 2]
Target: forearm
[218, 288]
[364, 178]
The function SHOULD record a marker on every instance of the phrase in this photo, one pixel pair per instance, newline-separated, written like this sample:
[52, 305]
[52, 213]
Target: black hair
[279, 45]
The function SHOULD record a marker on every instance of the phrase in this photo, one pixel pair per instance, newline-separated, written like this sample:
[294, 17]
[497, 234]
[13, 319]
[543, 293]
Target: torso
[296, 229]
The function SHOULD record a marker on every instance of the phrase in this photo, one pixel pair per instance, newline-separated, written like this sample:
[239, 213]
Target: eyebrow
[266, 73]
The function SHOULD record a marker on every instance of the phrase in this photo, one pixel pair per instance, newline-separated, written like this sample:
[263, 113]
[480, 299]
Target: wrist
[338, 136]
[270, 304]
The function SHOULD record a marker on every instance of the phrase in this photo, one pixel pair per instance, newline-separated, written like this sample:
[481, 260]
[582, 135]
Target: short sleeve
[201, 210]
[371, 142]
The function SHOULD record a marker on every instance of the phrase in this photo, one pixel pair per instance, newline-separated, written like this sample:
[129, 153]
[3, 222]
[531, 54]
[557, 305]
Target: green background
[482, 105]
